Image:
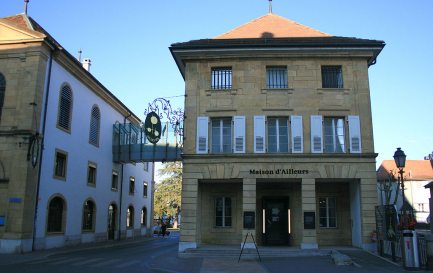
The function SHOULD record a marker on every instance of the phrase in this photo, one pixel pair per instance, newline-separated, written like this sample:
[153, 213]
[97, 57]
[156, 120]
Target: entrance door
[112, 212]
[276, 221]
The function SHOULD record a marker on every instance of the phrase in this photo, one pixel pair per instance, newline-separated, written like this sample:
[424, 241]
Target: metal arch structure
[130, 143]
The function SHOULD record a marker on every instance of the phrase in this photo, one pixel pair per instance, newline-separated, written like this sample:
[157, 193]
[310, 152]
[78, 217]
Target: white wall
[75, 189]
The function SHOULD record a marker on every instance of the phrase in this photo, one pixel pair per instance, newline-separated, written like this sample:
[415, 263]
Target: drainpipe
[121, 186]
[47, 92]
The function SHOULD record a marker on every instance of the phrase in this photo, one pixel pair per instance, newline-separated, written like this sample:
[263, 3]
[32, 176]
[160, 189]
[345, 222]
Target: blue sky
[128, 44]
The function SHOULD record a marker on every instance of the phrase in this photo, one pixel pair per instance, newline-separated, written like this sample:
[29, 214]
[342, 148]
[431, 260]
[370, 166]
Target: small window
[144, 189]
[88, 215]
[332, 76]
[144, 216]
[91, 174]
[223, 212]
[95, 121]
[146, 166]
[334, 136]
[60, 164]
[221, 135]
[278, 135]
[328, 212]
[221, 78]
[131, 186]
[115, 181]
[65, 108]
[2, 92]
[55, 215]
[130, 217]
[276, 77]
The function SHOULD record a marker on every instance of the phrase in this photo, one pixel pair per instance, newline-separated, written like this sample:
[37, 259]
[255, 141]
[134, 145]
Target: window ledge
[288, 90]
[61, 178]
[344, 90]
[93, 185]
[221, 91]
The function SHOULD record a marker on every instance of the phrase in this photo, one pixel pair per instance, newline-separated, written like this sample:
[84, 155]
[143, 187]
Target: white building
[60, 186]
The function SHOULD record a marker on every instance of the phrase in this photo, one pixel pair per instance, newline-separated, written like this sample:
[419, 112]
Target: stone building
[278, 137]
[58, 183]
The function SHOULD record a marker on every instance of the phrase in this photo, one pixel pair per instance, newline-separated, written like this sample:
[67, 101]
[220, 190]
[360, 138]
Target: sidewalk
[16, 258]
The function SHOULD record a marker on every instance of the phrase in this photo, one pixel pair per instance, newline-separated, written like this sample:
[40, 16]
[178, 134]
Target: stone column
[249, 204]
[309, 236]
[189, 222]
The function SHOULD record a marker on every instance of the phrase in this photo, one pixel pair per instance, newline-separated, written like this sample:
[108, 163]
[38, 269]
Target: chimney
[86, 64]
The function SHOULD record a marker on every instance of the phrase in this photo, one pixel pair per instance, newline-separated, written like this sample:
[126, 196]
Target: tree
[168, 191]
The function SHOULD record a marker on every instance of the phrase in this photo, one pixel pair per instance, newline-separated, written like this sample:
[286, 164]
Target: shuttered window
[95, 121]
[2, 92]
[259, 134]
[297, 134]
[65, 108]
[332, 76]
[278, 135]
[221, 141]
[239, 134]
[354, 134]
[334, 137]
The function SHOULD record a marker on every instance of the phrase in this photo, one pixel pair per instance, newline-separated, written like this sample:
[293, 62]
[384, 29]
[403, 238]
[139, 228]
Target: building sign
[249, 220]
[277, 171]
[152, 126]
[309, 220]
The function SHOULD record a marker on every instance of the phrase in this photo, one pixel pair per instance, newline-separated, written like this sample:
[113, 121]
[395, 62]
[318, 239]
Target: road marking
[88, 261]
[46, 260]
[101, 264]
[127, 264]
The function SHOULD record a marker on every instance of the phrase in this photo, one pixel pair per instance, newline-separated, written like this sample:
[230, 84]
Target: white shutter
[316, 134]
[239, 134]
[259, 134]
[354, 134]
[202, 135]
[297, 134]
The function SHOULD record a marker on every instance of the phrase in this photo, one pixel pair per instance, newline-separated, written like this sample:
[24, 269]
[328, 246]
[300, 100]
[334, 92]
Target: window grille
[95, 121]
[221, 78]
[2, 92]
[276, 77]
[332, 76]
[65, 108]
[55, 215]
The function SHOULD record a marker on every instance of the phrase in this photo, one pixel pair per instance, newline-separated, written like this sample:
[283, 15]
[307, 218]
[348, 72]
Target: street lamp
[400, 161]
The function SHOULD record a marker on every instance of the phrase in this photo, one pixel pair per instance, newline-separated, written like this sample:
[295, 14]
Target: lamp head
[400, 158]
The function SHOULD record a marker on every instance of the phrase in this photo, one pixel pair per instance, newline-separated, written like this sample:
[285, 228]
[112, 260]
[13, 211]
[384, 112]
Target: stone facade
[292, 182]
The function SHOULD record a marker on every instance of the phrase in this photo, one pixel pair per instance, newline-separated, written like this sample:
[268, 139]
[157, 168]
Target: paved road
[160, 255]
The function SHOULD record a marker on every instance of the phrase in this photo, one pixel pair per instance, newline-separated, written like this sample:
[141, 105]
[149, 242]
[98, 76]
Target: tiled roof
[415, 170]
[271, 26]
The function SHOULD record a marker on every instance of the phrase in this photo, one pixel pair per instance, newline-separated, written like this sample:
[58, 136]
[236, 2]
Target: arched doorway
[112, 216]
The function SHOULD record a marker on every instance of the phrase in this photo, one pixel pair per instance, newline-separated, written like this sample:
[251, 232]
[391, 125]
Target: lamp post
[409, 242]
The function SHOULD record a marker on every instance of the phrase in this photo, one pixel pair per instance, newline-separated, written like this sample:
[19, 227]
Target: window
[88, 215]
[223, 212]
[146, 166]
[144, 216]
[221, 135]
[91, 174]
[332, 76]
[55, 215]
[221, 78]
[95, 120]
[333, 135]
[60, 164]
[276, 77]
[130, 217]
[328, 212]
[131, 185]
[278, 135]
[2, 92]
[114, 181]
[144, 189]
[65, 108]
